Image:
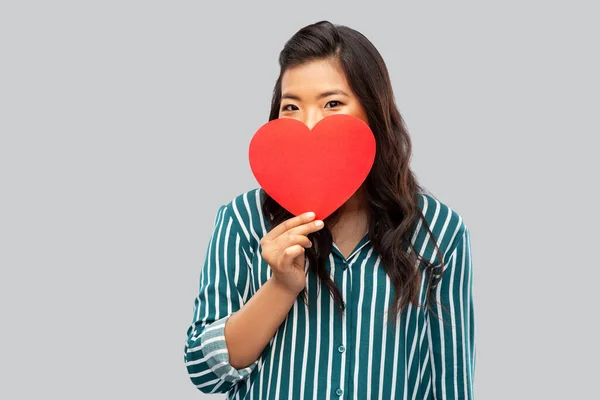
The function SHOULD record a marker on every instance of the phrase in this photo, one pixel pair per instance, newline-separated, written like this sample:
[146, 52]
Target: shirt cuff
[214, 348]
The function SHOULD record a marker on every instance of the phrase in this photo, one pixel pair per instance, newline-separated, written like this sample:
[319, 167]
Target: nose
[312, 118]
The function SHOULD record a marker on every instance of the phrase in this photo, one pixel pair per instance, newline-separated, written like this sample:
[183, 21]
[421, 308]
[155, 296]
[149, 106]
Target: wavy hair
[391, 188]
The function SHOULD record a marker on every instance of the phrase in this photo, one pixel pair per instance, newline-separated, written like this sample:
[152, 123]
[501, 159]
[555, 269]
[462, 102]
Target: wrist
[282, 289]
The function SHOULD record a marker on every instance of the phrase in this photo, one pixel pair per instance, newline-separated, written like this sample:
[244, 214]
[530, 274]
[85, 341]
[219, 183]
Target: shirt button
[339, 392]
[341, 349]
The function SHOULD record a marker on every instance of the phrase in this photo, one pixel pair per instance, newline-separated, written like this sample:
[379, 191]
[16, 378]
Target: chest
[348, 233]
[348, 244]
[322, 350]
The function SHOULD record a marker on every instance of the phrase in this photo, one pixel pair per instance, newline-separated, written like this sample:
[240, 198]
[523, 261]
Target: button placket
[341, 348]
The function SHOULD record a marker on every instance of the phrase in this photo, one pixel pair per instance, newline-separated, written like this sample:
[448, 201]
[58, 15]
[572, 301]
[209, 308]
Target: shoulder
[446, 223]
[246, 211]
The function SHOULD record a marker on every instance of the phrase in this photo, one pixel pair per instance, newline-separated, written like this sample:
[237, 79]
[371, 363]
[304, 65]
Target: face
[314, 90]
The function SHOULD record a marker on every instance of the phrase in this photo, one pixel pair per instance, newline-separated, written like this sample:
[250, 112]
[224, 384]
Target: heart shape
[312, 170]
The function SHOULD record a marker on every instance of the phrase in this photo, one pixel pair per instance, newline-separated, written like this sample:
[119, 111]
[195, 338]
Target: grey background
[124, 125]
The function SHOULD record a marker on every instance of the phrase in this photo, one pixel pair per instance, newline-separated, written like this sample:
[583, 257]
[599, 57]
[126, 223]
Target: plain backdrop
[125, 125]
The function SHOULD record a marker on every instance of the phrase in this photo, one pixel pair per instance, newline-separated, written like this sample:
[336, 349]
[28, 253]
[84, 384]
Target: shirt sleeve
[451, 329]
[224, 287]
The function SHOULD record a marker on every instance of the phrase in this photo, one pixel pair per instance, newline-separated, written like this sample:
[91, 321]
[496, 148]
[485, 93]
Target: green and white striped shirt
[324, 354]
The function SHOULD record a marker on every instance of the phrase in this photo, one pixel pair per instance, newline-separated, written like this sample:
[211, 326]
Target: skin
[310, 92]
[303, 87]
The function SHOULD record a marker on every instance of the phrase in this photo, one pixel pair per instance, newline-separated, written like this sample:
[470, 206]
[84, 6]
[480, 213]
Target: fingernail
[310, 214]
[319, 223]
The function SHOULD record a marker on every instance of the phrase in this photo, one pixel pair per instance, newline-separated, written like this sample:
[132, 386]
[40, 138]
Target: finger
[290, 253]
[307, 228]
[289, 224]
[289, 240]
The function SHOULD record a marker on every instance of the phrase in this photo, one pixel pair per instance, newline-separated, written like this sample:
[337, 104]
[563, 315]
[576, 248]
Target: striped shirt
[325, 354]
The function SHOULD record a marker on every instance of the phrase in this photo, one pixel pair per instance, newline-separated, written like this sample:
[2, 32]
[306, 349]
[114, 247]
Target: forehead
[314, 75]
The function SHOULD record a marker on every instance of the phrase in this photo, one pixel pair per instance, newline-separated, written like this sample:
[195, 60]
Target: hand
[283, 249]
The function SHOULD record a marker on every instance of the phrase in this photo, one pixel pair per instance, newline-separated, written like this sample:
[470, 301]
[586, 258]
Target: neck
[351, 225]
[355, 204]
[353, 218]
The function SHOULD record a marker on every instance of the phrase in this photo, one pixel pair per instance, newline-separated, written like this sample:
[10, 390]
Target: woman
[374, 302]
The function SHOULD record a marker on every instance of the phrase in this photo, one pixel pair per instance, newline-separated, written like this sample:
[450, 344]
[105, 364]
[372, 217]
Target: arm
[224, 287]
[250, 329]
[262, 316]
[452, 331]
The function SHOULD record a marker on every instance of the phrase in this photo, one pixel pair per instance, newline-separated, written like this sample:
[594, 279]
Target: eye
[335, 103]
[285, 108]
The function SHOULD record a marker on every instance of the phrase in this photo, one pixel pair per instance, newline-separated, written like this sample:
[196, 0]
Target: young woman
[374, 302]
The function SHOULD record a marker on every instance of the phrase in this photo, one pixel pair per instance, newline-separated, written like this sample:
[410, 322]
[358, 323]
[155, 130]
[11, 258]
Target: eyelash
[284, 108]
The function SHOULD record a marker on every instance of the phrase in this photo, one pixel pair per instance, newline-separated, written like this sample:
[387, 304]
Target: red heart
[312, 170]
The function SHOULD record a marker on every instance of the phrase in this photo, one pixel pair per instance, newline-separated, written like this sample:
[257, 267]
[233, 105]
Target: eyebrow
[324, 94]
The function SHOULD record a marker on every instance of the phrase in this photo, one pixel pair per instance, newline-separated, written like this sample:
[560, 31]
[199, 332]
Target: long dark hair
[391, 188]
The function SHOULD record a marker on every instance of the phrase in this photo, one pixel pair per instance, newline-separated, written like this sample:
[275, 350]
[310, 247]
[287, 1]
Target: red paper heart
[312, 170]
